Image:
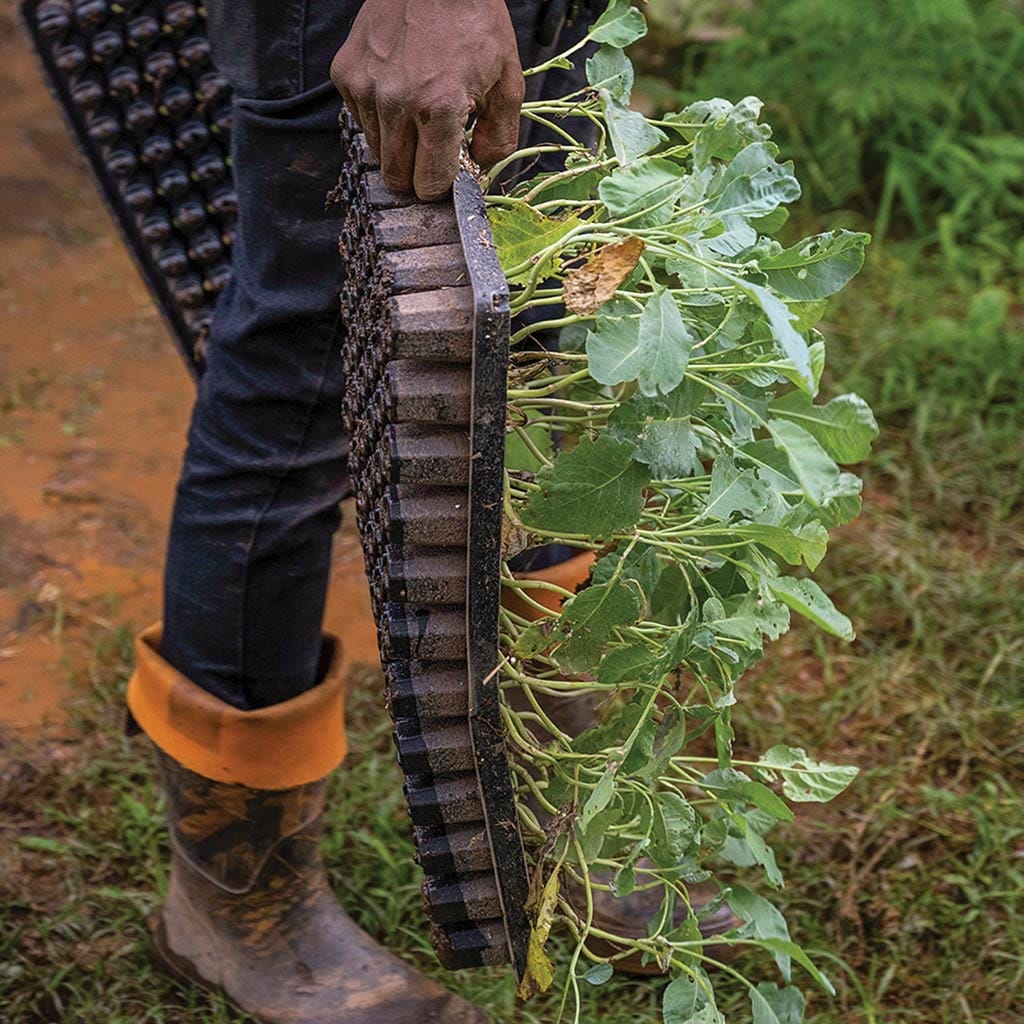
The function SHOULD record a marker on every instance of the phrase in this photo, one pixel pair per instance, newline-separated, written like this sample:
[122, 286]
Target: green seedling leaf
[804, 779]
[811, 465]
[589, 619]
[726, 129]
[599, 797]
[629, 132]
[844, 427]
[690, 1000]
[643, 192]
[806, 598]
[781, 320]
[754, 184]
[655, 356]
[734, 785]
[661, 429]
[806, 544]
[599, 974]
[793, 950]
[593, 490]
[521, 233]
[735, 491]
[676, 826]
[773, 1005]
[761, 919]
[641, 565]
[620, 25]
[610, 69]
[816, 267]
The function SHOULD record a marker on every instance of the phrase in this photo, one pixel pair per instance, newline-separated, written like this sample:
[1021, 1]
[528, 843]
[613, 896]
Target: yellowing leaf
[593, 284]
[521, 235]
[539, 970]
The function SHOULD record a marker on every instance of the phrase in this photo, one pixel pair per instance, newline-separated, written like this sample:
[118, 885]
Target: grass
[914, 880]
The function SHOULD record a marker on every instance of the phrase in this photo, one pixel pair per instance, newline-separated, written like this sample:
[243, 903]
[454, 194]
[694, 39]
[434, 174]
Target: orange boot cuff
[285, 745]
[568, 575]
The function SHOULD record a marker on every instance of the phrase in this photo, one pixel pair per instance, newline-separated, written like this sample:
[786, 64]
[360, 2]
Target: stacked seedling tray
[153, 117]
[426, 354]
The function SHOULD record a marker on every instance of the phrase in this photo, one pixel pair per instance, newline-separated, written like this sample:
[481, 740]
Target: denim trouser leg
[265, 468]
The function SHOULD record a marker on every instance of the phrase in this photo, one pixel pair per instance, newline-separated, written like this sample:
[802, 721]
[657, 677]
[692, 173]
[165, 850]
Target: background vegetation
[903, 118]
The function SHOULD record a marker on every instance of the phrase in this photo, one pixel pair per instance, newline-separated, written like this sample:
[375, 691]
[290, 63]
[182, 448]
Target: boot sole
[426, 357]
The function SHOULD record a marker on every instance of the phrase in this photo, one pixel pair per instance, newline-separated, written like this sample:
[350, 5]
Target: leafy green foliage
[915, 111]
[682, 443]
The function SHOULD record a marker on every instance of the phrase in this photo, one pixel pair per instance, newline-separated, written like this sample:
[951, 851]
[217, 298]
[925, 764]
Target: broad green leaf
[806, 598]
[781, 320]
[649, 187]
[762, 919]
[725, 129]
[753, 184]
[593, 490]
[773, 1005]
[612, 70]
[734, 785]
[676, 825]
[641, 564]
[661, 429]
[655, 357]
[804, 779]
[735, 491]
[688, 1000]
[816, 267]
[844, 427]
[589, 619]
[630, 133]
[788, 948]
[749, 618]
[811, 465]
[521, 233]
[628, 664]
[620, 25]
[599, 974]
[599, 797]
[806, 543]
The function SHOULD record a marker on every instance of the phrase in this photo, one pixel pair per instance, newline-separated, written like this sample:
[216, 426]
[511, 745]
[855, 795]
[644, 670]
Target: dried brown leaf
[593, 284]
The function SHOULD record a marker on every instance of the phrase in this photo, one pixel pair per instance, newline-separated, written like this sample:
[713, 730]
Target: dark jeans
[265, 468]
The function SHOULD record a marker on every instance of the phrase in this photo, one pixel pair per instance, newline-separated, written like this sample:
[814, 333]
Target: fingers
[397, 147]
[440, 134]
[496, 133]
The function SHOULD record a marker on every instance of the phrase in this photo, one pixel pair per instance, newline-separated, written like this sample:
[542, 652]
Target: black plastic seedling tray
[426, 357]
[153, 117]
[426, 354]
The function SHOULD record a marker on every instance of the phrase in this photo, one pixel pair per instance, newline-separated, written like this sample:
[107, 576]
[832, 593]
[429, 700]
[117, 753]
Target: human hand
[411, 73]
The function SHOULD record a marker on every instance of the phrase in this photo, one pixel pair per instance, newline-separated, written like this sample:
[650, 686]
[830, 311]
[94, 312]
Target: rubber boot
[249, 913]
[619, 915]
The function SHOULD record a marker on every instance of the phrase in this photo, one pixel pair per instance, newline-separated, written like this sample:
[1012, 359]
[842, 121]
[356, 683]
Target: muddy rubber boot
[249, 913]
[620, 915]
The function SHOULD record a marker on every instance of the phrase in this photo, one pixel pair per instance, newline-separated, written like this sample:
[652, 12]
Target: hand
[411, 73]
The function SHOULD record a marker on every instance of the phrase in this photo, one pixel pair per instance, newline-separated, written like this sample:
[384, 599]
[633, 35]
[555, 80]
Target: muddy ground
[94, 405]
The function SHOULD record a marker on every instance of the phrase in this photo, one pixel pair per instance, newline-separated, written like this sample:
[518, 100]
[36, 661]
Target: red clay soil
[94, 404]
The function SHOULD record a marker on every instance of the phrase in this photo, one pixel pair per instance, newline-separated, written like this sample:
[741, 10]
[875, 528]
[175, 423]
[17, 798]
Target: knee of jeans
[242, 445]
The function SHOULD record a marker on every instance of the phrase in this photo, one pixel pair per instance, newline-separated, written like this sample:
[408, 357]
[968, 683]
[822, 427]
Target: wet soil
[94, 405]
